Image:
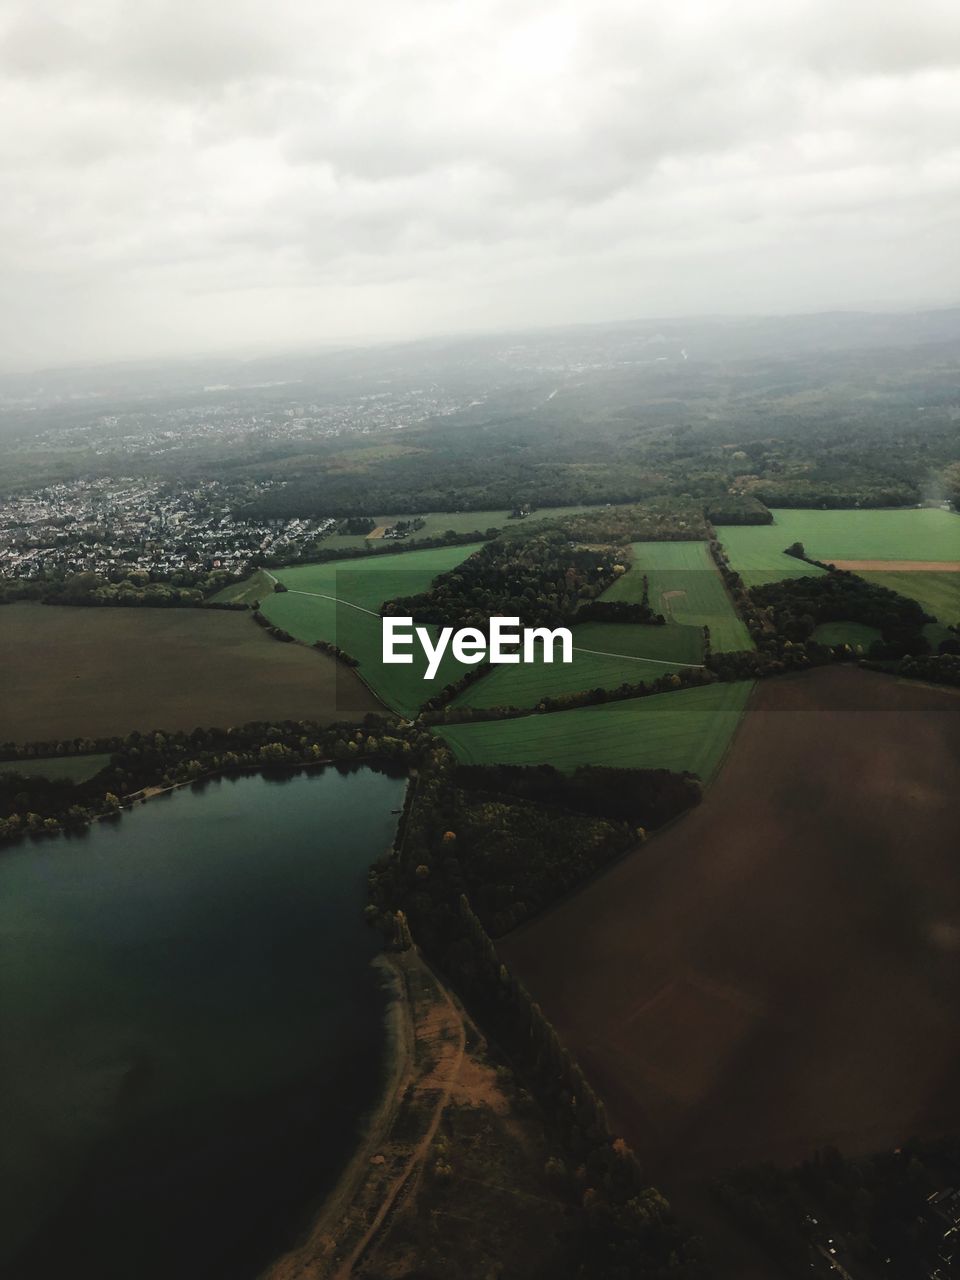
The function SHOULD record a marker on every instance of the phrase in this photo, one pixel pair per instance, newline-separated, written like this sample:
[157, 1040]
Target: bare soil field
[75, 672]
[780, 969]
[898, 566]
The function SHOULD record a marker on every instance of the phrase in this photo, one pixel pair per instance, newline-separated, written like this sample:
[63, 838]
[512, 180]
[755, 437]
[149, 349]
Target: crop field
[852, 633]
[57, 768]
[75, 672]
[606, 655]
[778, 971]
[756, 551]
[686, 588]
[338, 602]
[250, 591]
[938, 593]
[438, 523]
[686, 730]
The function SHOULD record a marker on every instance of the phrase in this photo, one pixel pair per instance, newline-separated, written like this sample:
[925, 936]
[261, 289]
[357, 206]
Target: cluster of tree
[403, 528]
[942, 668]
[34, 806]
[358, 526]
[186, 588]
[638, 611]
[852, 491]
[673, 519]
[278, 633]
[796, 606]
[737, 508]
[640, 797]
[541, 579]
[685, 678]
[890, 1213]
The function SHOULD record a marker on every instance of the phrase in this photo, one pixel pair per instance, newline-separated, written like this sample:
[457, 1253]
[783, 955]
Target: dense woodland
[541, 579]
[796, 606]
[186, 589]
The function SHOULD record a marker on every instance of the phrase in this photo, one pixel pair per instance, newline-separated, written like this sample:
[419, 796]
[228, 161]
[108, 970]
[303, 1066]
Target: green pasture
[249, 591]
[686, 588]
[57, 768]
[606, 655]
[756, 551]
[338, 602]
[852, 633]
[686, 730]
[938, 593]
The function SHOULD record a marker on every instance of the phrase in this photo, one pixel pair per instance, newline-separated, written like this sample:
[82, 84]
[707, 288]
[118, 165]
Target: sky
[192, 176]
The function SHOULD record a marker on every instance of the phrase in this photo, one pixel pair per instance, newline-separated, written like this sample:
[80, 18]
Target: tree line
[456, 874]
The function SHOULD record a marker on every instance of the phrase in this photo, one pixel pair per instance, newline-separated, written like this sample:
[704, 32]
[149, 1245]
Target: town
[129, 525]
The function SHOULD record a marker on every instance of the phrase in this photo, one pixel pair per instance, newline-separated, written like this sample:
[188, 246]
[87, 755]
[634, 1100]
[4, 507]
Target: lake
[192, 1029]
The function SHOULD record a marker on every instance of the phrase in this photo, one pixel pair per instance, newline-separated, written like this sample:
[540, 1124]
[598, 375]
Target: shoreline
[317, 1244]
[427, 1048]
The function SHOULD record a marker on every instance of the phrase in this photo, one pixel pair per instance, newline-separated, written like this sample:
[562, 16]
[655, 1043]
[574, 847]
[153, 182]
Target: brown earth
[898, 566]
[449, 1179]
[780, 969]
[93, 672]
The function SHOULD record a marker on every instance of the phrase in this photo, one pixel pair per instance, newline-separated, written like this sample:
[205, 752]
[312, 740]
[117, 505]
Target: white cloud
[179, 176]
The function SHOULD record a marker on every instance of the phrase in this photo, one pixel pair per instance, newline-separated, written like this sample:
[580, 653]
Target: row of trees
[440, 712]
[457, 848]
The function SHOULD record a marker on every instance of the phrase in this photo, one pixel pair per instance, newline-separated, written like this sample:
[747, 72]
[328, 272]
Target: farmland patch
[686, 730]
[686, 588]
[778, 971]
[81, 672]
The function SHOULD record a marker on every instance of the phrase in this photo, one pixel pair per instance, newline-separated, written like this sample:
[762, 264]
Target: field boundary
[898, 566]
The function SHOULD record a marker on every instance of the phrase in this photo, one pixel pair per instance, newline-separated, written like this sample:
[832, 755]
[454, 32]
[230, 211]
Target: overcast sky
[195, 175]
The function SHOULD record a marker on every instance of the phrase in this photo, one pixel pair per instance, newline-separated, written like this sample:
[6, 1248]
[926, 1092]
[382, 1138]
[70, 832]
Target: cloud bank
[190, 176]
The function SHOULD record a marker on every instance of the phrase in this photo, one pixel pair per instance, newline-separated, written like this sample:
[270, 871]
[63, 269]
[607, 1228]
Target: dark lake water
[192, 1029]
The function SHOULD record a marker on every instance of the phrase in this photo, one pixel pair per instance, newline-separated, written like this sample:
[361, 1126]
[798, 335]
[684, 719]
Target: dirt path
[386, 1171]
[445, 1028]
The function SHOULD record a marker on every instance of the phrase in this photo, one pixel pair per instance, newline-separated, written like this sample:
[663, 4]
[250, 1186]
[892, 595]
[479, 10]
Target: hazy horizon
[190, 180]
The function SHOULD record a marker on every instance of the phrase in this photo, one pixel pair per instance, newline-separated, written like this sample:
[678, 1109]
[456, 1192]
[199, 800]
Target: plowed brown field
[781, 969]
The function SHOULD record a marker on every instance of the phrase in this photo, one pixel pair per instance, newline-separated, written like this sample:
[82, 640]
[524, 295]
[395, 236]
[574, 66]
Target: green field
[938, 593]
[437, 523]
[686, 588]
[338, 602]
[250, 591]
[57, 768]
[756, 551]
[852, 633]
[688, 730]
[622, 653]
